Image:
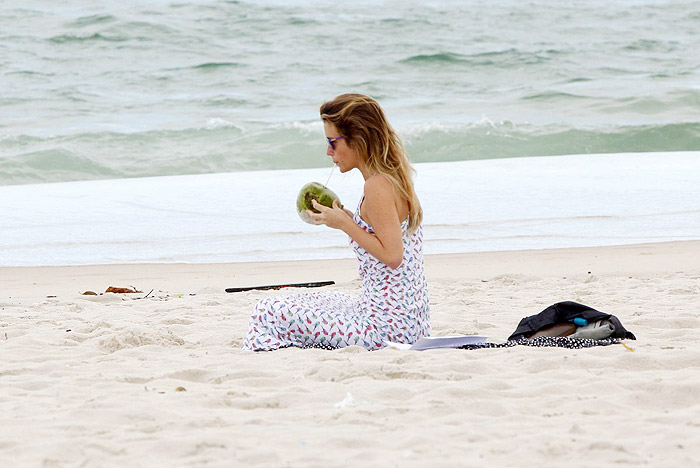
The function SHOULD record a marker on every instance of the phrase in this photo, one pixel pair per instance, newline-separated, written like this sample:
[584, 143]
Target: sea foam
[487, 205]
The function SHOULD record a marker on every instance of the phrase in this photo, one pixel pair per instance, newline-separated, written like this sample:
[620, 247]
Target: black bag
[566, 312]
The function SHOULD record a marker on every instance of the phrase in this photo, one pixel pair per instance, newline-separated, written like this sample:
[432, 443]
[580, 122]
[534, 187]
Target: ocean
[131, 112]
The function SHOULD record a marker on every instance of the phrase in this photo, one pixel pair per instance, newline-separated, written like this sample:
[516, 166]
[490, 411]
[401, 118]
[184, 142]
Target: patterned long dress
[393, 306]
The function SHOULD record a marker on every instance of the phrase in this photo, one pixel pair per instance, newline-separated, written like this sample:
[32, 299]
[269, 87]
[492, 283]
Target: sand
[130, 380]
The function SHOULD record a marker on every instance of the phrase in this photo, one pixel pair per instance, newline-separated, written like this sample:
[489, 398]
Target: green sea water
[106, 90]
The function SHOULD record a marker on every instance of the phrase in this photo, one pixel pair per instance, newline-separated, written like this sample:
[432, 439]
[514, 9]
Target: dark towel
[566, 312]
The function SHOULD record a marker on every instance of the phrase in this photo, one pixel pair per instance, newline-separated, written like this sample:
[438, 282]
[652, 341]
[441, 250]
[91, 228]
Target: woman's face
[343, 156]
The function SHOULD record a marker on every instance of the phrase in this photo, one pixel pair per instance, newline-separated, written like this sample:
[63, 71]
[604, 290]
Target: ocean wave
[673, 101]
[220, 123]
[301, 21]
[649, 45]
[226, 146]
[444, 57]
[108, 28]
[578, 79]
[216, 65]
[505, 139]
[52, 165]
[94, 37]
[223, 101]
[92, 20]
[493, 58]
[549, 96]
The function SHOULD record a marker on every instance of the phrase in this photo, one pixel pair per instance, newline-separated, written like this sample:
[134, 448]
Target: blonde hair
[362, 122]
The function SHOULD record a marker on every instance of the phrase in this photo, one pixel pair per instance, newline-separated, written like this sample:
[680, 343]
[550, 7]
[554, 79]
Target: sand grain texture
[116, 380]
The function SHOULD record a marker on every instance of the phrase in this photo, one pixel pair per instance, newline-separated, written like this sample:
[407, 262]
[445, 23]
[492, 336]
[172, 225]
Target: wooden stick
[280, 286]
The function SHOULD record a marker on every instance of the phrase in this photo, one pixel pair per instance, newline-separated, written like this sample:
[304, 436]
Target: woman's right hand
[334, 217]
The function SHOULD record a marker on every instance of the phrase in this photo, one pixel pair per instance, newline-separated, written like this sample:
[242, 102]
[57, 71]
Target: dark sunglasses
[331, 141]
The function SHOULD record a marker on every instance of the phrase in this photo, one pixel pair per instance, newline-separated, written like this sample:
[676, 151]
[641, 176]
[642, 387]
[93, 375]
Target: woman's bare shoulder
[382, 198]
[379, 185]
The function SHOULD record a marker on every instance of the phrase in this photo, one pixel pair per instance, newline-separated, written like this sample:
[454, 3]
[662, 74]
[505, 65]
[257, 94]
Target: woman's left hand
[333, 217]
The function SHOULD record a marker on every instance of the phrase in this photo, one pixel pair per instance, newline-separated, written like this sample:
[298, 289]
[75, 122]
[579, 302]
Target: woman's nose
[329, 151]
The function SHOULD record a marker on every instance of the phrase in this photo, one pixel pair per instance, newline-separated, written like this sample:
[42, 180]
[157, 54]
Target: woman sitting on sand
[386, 234]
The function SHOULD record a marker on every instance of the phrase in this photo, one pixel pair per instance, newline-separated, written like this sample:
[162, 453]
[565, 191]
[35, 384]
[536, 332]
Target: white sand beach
[129, 380]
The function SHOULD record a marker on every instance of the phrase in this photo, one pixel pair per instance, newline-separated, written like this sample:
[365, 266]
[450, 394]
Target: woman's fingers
[318, 206]
[315, 217]
[325, 214]
[322, 208]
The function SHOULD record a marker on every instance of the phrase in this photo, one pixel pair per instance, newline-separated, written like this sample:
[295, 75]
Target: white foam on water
[486, 205]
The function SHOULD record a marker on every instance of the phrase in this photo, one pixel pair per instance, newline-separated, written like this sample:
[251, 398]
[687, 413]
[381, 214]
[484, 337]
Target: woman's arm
[380, 211]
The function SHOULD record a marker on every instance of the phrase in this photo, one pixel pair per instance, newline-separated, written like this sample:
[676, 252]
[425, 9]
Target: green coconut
[314, 191]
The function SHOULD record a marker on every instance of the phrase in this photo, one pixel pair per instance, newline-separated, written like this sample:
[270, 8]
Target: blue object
[580, 322]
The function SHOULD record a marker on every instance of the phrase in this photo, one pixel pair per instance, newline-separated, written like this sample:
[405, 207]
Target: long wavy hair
[362, 122]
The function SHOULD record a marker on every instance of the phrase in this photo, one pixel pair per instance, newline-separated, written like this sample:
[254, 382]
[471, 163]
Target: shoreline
[470, 206]
[645, 259]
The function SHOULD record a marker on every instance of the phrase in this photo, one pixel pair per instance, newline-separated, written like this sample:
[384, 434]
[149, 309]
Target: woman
[385, 233]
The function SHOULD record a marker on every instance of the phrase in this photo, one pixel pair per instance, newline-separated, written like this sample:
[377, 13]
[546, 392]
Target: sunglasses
[331, 141]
